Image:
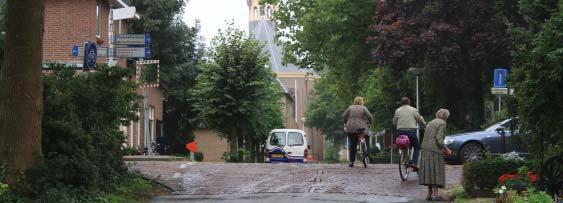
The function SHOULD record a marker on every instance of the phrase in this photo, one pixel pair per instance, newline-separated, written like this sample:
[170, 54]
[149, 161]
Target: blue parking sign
[499, 77]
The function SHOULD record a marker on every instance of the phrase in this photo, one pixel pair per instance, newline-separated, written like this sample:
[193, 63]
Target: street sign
[499, 78]
[79, 51]
[90, 56]
[499, 90]
[133, 39]
[132, 52]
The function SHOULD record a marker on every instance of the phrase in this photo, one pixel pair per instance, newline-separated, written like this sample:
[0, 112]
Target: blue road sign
[499, 78]
[74, 51]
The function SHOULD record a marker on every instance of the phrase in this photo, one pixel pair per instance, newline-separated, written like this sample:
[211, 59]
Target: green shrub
[81, 140]
[332, 154]
[198, 156]
[533, 197]
[484, 174]
[236, 157]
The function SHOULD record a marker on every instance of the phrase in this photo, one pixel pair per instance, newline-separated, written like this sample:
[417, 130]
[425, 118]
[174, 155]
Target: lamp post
[417, 72]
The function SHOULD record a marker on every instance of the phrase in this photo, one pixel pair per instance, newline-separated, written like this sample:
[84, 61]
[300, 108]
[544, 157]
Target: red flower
[532, 177]
[507, 176]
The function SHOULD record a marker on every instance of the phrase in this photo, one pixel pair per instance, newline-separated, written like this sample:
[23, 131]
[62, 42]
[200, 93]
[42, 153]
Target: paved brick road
[188, 178]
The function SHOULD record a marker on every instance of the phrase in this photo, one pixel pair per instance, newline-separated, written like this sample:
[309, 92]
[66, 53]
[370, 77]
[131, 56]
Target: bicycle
[405, 153]
[363, 148]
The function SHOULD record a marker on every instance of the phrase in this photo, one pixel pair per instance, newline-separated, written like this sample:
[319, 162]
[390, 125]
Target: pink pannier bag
[402, 142]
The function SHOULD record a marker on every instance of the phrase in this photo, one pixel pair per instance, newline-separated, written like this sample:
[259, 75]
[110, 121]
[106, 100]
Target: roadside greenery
[82, 143]
[237, 93]
[538, 77]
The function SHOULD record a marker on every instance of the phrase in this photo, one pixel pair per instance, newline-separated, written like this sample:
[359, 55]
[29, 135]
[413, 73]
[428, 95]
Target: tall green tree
[21, 87]
[538, 75]
[179, 50]
[237, 93]
[325, 113]
[327, 34]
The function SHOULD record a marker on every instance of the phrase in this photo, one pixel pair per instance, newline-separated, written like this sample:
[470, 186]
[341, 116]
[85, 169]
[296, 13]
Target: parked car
[286, 145]
[472, 146]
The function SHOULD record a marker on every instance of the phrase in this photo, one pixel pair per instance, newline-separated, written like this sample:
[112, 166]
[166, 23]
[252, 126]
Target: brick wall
[72, 22]
[211, 145]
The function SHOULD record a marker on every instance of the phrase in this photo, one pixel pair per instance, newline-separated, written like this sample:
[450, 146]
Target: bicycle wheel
[364, 152]
[404, 168]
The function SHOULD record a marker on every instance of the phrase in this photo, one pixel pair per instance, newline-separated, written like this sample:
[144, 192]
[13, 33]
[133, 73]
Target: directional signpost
[132, 52]
[127, 46]
[79, 51]
[499, 84]
[133, 39]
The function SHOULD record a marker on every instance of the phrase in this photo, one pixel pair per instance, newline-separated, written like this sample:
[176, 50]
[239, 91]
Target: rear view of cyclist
[355, 117]
[405, 119]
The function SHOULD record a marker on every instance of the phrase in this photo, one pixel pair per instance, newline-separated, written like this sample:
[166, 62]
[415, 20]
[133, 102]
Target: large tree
[327, 34]
[21, 87]
[538, 80]
[237, 93]
[458, 43]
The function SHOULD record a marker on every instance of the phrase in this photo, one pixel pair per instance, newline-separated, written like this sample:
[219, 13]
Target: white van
[286, 145]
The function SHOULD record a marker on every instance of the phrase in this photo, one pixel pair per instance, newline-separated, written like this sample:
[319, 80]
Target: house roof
[263, 31]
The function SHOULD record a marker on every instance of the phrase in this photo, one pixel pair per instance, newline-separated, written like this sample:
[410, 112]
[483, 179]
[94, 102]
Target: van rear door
[296, 144]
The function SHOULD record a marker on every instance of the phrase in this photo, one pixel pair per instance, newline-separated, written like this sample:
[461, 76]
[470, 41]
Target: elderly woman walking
[355, 117]
[432, 167]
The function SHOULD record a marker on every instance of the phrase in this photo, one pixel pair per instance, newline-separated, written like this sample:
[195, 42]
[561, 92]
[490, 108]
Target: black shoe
[351, 165]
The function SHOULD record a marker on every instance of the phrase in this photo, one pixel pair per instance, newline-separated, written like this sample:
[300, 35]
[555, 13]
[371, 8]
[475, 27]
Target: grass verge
[137, 190]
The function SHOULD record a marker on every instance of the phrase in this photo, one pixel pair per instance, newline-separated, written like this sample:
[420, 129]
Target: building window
[269, 12]
[261, 10]
[98, 19]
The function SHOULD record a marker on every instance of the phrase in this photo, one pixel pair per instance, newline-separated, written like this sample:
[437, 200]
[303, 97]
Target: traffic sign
[132, 52]
[499, 78]
[499, 90]
[79, 51]
[90, 56]
[133, 39]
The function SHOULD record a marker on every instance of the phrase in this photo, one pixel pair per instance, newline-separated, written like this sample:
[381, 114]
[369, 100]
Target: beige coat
[356, 117]
[406, 117]
[434, 136]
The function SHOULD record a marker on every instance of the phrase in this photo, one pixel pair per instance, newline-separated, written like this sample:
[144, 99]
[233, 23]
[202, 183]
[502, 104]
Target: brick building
[71, 23]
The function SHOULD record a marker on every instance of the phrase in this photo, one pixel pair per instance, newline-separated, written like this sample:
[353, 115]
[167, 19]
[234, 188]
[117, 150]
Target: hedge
[484, 174]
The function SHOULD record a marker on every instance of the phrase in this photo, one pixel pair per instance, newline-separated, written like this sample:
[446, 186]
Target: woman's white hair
[443, 114]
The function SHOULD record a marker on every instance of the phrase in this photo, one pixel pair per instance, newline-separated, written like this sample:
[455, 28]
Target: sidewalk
[154, 158]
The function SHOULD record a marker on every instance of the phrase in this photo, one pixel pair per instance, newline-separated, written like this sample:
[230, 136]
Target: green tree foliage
[325, 112]
[179, 50]
[237, 93]
[538, 74]
[82, 143]
[457, 42]
[327, 34]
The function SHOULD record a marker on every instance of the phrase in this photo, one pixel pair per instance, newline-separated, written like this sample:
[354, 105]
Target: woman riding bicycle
[355, 117]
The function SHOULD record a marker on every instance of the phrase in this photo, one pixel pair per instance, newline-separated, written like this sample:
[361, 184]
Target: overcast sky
[213, 15]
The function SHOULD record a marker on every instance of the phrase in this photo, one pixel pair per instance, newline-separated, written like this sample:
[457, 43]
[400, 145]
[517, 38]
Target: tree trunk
[21, 87]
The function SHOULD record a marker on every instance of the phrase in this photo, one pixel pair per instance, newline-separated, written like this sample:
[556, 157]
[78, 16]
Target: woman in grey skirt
[432, 168]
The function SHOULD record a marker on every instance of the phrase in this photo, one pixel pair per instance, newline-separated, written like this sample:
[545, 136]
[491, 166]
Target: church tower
[259, 12]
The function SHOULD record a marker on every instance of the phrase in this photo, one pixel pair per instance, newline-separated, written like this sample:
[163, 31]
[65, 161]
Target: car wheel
[471, 152]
